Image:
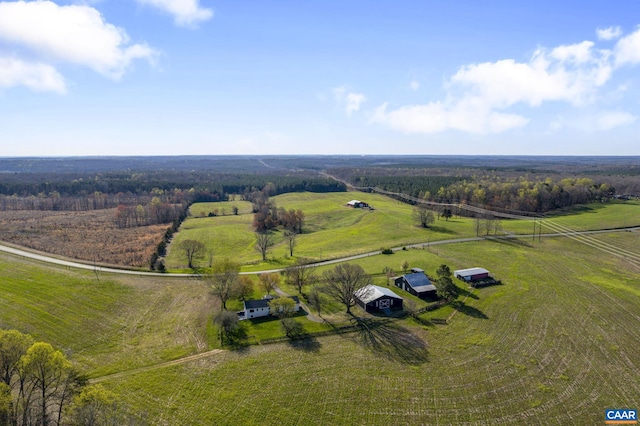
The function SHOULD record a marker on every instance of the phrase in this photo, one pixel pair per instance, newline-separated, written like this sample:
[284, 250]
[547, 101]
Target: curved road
[78, 265]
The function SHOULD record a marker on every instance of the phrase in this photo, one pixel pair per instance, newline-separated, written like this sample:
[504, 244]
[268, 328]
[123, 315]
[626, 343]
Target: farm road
[561, 232]
[156, 366]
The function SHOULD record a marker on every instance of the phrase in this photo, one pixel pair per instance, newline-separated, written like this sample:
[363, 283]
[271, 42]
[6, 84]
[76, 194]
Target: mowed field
[106, 323]
[556, 343]
[333, 230]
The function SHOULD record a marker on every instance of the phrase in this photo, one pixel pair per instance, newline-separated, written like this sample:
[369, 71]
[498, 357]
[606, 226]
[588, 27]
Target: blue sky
[184, 77]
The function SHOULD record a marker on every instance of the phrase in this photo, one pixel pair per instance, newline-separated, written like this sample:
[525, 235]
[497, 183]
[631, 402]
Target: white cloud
[77, 34]
[36, 76]
[353, 102]
[610, 119]
[609, 33]
[437, 117]
[477, 93]
[414, 85]
[349, 101]
[627, 49]
[186, 13]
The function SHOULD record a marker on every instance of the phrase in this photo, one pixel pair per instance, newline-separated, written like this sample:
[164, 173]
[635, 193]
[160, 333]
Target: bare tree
[290, 238]
[229, 326]
[342, 281]
[264, 241]
[269, 282]
[315, 299]
[244, 289]
[423, 216]
[300, 275]
[224, 280]
[192, 250]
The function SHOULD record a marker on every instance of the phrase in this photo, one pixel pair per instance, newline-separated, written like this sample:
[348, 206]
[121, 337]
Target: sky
[220, 77]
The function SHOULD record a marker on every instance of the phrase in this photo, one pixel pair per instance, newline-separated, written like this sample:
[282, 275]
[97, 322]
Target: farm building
[417, 283]
[373, 298]
[471, 274]
[260, 308]
[356, 204]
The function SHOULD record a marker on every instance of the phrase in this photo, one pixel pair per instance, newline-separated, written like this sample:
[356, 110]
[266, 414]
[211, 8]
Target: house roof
[419, 282]
[264, 303]
[372, 292]
[353, 202]
[470, 271]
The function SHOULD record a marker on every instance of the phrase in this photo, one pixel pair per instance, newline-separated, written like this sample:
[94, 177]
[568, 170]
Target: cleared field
[90, 235]
[108, 324]
[555, 344]
[333, 230]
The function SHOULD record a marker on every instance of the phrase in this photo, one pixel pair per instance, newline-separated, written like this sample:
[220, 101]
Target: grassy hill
[333, 230]
[555, 344]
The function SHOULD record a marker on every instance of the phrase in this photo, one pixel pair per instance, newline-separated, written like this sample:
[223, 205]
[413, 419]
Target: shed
[418, 284]
[373, 298]
[471, 274]
[357, 204]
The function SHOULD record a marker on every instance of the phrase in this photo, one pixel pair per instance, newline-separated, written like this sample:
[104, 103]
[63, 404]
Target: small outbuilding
[418, 284]
[357, 204]
[373, 299]
[260, 308]
[471, 274]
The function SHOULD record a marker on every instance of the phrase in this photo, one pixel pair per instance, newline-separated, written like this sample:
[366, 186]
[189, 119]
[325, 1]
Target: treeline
[523, 194]
[143, 183]
[112, 190]
[416, 186]
[39, 386]
[154, 213]
[156, 263]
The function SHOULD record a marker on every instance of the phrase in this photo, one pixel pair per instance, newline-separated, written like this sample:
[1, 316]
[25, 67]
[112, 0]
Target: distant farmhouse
[417, 283]
[356, 204]
[260, 308]
[373, 299]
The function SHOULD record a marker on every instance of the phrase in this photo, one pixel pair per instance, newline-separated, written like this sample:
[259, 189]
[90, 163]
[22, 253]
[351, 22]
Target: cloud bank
[54, 34]
[479, 95]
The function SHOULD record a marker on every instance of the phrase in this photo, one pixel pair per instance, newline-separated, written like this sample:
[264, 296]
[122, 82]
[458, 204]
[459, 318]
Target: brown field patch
[89, 235]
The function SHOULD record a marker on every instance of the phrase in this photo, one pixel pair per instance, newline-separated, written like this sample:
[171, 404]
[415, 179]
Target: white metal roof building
[471, 274]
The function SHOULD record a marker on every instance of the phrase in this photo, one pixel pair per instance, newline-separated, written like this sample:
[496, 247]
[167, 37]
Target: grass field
[333, 230]
[556, 343]
[109, 324]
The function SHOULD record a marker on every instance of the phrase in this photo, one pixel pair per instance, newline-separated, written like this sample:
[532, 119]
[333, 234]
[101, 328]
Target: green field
[333, 230]
[556, 343]
[107, 323]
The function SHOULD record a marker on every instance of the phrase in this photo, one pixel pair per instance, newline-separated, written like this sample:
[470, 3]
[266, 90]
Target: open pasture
[333, 230]
[107, 323]
[555, 344]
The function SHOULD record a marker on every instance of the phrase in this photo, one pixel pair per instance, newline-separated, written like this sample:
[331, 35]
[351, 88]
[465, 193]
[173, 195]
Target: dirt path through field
[157, 366]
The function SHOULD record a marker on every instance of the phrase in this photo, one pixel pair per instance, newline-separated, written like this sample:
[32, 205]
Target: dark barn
[373, 299]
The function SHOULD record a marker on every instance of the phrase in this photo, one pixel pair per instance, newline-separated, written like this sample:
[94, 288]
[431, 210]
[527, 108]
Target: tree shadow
[394, 342]
[469, 310]
[466, 293]
[513, 242]
[442, 229]
[306, 344]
